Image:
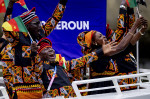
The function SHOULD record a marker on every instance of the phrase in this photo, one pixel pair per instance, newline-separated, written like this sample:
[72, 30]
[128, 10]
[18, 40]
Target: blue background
[65, 41]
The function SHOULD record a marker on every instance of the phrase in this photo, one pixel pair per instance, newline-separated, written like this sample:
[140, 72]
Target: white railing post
[76, 90]
[1, 80]
[148, 76]
[114, 79]
[4, 93]
[116, 86]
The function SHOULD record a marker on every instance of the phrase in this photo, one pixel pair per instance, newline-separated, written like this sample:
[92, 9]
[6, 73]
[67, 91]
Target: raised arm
[125, 21]
[9, 10]
[138, 35]
[11, 37]
[126, 40]
[36, 61]
[93, 56]
[55, 18]
[80, 62]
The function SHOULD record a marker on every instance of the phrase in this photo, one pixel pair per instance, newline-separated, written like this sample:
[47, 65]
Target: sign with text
[79, 16]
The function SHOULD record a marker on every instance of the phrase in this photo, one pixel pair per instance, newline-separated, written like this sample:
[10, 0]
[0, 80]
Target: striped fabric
[43, 43]
[29, 16]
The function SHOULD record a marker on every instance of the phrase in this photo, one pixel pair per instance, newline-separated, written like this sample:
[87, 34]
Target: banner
[79, 16]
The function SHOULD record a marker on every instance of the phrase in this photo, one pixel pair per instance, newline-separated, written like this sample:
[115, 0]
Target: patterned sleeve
[53, 21]
[12, 37]
[36, 62]
[125, 21]
[80, 62]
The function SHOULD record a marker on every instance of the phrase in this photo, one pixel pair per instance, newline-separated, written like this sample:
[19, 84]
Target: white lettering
[64, 25]
[71, 25]
[79, 27]
[85, 25]
[58, 26]
[74, 25]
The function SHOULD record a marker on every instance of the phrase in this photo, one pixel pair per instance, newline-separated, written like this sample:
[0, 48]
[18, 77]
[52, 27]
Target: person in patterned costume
[107, 66]
[61, 85]
[19, 71]
[126, 64]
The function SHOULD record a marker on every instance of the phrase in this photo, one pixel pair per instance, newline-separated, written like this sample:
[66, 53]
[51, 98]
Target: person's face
[34, 27]
[48, 54]
[99, 38]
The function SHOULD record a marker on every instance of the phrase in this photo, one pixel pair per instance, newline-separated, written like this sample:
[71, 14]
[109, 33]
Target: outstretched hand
[34, 47]
[108, 48]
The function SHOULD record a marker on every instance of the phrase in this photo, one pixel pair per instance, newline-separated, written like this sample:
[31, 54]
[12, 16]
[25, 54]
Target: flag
[131, 3]
[3, 5]
[64, 63]
[61, 60]
[16, 24]
[22, 3]
[142, 2]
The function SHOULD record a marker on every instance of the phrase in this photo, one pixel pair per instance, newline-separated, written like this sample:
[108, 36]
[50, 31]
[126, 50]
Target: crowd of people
[30, 70]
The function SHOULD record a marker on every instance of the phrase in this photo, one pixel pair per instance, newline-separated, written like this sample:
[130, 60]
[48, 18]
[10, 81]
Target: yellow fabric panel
[7, 26]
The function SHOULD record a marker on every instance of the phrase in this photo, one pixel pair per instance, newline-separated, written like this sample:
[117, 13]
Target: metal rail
[114, 79]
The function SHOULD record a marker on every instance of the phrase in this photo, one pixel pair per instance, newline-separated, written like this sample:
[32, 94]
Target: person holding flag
[126, 64]
[118, 64]
[19, 71]
[54, 76]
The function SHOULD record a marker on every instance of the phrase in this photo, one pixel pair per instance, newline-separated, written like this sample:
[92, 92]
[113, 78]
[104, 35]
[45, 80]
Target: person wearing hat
[54, 76]
[19, 74]
[108, 66]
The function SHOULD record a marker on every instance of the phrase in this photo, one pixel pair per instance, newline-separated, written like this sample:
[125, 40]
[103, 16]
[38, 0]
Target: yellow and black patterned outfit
[61, 85]
[120, 64]
[19, 71]
[126, 63]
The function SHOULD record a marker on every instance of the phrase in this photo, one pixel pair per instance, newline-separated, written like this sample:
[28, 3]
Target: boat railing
[114, 79]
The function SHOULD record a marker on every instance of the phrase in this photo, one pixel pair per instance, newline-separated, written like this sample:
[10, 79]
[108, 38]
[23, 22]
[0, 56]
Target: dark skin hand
[99, 39]
[34, 47]
[137, 35]
[127, 39]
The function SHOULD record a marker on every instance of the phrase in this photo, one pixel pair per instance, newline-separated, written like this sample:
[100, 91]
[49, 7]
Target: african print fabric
[21, 74]
[126, 63]
[61, 85]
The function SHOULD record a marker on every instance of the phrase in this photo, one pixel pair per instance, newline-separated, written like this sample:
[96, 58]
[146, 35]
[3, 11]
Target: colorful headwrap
[84, 39]
[29, 16]
[43, 43]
